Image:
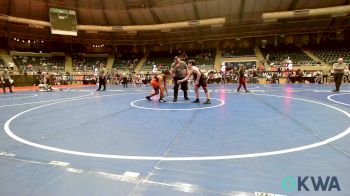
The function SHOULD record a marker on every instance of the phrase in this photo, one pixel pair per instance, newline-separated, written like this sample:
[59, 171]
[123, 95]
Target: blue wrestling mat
[277, 139]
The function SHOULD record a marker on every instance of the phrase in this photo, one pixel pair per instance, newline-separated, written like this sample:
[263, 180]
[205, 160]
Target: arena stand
[162, 60]
[330, 52]
[88, 62]
[278, 54]
[33, 62]
[126, 62]
[229, 52]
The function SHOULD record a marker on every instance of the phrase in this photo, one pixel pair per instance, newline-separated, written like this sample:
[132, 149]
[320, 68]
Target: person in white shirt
[155, 69]
[102, 77]
[5, 80]
[338, 69]
[223, 73]
[325, 74]
[11, 66]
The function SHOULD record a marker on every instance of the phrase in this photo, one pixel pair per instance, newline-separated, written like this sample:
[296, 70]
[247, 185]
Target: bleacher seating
[280, 53]
[329, 53]
[162, 60]
[237, 52]
[32, 63]
[88, 63]
[126, 62]
[202, 57]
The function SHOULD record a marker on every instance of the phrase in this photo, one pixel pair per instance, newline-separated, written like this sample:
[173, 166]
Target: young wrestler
[241, 72]
[158, 82]
[199, 80]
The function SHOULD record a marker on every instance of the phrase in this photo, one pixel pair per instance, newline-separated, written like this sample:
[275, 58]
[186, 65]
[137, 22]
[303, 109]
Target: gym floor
[82, 142]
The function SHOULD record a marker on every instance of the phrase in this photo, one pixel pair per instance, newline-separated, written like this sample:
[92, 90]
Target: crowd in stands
[202, 57]
[60, 78]
[126, 61]
[163, 60]
[277, 60]
[86, 63]
[160, 60]
[34, 63]
[229, 74]
[274, 73]
[132, 78]
[301, 76]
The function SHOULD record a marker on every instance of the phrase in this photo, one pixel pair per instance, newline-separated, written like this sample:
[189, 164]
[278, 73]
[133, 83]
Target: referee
[179, 70]
[102, 73]
[338, 69]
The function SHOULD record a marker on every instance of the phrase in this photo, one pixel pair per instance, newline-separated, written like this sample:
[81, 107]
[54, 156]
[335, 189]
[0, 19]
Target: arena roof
[243, 17]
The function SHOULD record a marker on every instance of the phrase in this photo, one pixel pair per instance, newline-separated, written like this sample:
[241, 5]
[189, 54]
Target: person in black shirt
[179, 70]
[125, 81]
[102, 77]
[299, 76]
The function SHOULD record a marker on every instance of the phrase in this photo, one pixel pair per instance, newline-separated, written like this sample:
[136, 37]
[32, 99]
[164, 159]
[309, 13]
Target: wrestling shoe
[196, 101]
[162, 101]
[207, 101]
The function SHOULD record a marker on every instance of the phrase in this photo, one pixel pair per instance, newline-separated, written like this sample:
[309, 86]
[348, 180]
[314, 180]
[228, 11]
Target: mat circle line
[193, 158]
[177, 109]
[332, 100]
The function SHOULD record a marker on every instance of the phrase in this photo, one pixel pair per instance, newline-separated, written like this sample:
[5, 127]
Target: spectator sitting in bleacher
[268, 77]
[325, 74]
[154, 69]
[318, 77]
[275, 78]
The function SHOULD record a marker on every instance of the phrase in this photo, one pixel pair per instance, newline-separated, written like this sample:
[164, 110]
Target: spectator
[325, 74]
[299, 76]
[5, 80]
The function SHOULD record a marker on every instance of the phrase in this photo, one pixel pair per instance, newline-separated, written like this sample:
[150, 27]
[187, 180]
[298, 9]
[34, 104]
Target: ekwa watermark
[310, 183]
